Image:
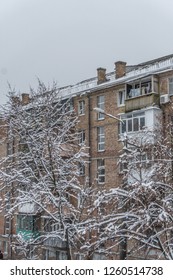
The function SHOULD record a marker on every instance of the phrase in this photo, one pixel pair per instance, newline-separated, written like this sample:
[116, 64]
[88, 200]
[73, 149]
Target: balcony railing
[141, 101]
[55, 242]
[28, 234]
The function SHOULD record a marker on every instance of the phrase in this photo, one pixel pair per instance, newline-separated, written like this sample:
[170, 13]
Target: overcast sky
[67, 40]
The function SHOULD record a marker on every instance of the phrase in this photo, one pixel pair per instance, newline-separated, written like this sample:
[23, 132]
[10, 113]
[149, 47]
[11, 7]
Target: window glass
[81, 107]
[132, 122]
[60, 255]
[137, 89]
[142, 122]
[121, 97]
[101, 105]
[25, 222]
[101, 170]
[123, 126]
[81, 137]
[101, 138]
[170, 86]
[81, 167]
[129, 125]
[135, 124]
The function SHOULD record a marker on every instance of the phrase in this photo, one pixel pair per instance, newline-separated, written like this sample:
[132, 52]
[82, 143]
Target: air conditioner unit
[164, 99]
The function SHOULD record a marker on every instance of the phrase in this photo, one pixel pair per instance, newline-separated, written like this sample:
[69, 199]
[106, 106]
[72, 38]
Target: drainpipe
[11, 198]
[89, 138]
[89, 145]
[152, 83]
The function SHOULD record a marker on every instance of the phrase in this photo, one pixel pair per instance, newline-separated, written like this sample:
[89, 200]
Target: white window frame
[101, 171]
[170, 86]
[121, 98]
[101, 138]
[128, 125]
[123, 167]
[81, 107]
[81, 137]
[101, 105]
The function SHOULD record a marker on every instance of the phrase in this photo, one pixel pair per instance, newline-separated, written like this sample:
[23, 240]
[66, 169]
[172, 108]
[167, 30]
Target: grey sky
[67, 40]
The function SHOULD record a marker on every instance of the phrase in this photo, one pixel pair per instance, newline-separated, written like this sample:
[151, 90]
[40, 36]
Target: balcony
[142, 93]
[141, 101]
[55, 242]
[28, 226]
[28, 234]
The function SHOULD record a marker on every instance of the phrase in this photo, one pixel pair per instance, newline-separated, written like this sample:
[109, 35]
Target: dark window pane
[135, 124]
[142, 122]
[101, 171]
[124, 126]
[129, 125]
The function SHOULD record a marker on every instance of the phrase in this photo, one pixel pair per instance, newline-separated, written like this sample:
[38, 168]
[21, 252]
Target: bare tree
[39, 174]
[136, 219]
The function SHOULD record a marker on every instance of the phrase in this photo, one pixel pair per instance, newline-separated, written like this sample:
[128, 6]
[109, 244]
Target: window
[80, 256]
[81, 137]
[5, 247]
[123, 166]
[9, 149]
[101, 138]
[50, 225]
[101, 171]
[132, 122]
[138, 88]
[81, 107]
[99, 256]
[61, 255]
[67, 105]
[26, 222]
[145, 159]
[46, 254]
[121, 97]
[170, 86]
[101, 105]
[81, 167]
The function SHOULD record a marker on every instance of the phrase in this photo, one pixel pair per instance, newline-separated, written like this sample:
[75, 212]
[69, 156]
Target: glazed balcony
[28, 226]
[142, 93]
[55, 242]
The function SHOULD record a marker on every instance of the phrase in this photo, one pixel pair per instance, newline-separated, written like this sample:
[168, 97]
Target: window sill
[100, 183]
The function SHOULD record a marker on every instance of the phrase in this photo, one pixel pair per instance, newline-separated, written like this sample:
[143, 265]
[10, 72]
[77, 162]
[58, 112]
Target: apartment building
[139, 95]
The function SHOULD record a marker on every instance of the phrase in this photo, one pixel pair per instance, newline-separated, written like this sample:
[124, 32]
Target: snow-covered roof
[155, 66]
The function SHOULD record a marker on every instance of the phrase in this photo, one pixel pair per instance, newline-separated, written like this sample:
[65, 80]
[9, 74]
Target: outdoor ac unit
[164, 99]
